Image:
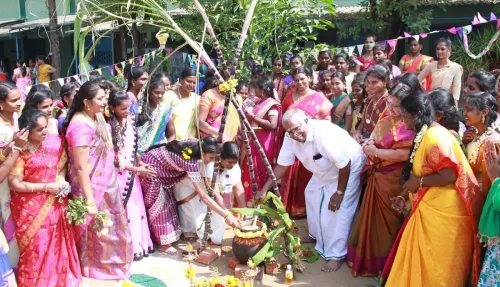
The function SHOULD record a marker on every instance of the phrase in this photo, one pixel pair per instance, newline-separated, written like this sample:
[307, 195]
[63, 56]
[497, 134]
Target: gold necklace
[5, 118]
[368, 121]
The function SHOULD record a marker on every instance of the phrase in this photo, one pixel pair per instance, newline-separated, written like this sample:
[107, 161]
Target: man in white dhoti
[332, 194]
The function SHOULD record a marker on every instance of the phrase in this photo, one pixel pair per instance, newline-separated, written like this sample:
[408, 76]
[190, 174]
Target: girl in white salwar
[229, 189]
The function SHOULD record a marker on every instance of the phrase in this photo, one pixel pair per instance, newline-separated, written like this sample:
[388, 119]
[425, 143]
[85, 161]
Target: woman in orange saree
[437, 245]
[38, 190]
[316, 106]
[377, 224]
[414, 62]
[210, 116]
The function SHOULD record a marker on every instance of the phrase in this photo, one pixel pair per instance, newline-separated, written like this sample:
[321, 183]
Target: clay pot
[246, 247]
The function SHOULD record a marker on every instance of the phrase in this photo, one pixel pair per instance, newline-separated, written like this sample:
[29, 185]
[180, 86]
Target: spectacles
[293, 131]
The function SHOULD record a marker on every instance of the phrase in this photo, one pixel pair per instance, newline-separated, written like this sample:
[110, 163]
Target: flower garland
[228, 86]
[418, 140]
[478, 142]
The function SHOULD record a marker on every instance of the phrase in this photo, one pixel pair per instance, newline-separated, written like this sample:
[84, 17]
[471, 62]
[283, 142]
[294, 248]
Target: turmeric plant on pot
[273, 212]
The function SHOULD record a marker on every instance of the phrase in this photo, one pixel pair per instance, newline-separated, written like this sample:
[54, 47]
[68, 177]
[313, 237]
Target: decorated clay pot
[247, 243]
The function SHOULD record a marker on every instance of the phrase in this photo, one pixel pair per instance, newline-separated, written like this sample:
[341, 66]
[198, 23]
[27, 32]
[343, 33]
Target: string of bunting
[460, 31]
[140, 60]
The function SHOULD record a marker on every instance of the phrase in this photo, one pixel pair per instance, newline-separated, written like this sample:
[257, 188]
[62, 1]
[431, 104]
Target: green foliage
[279, 27]
[478, 40]
[280, 226]
[379, 17]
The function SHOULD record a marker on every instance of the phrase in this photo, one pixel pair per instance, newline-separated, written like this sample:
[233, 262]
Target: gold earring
[1, 108]
[483, 119]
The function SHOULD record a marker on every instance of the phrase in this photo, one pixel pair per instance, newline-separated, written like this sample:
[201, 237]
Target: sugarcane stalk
[243, 36]
[211, 32]
[257, 144]
[248, 148]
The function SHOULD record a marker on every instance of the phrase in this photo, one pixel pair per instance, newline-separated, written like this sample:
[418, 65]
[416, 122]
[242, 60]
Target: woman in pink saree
[265, 118]
[38, 191]
[210, 116]
[92, 174]
[316, 106]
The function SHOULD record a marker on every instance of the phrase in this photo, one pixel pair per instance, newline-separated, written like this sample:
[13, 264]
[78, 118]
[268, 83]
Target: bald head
[293, 116]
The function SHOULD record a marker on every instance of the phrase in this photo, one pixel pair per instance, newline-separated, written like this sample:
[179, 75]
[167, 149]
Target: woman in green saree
[155, 124]
[334, 88]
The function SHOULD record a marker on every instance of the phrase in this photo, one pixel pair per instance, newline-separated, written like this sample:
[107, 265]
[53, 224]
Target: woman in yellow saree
[437, 244]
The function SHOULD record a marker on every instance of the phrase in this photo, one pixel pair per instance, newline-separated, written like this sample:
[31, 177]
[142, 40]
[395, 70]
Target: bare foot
[332, 265]
[307, 239]
[169, 249]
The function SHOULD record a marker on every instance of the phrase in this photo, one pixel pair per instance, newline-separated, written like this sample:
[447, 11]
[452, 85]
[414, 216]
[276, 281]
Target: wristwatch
[340, 192]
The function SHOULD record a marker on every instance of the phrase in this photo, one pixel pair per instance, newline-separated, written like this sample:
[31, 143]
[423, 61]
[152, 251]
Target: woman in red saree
[377, 224]
[38, 190]
[377, 81]
[414, 62]
[437, 245]
[367, 60]
[316, 106]
[265, 119]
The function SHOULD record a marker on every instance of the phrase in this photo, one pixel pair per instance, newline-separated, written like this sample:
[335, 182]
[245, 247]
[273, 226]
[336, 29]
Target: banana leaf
[270, 211]
[313, 257]
[260, 256]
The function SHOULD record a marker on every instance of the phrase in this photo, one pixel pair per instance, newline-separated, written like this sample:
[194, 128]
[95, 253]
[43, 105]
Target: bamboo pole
[255, 188]
[255, 140]
[244, 32]
[211, 32]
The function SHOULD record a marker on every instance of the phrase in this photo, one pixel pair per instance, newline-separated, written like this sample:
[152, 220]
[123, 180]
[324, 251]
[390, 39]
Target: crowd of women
[145, 154]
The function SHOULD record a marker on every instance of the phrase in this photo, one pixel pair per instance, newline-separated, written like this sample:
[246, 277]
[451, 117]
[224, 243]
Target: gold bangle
[404, 200]
[91, 204]
[421, 182]
[227, 215]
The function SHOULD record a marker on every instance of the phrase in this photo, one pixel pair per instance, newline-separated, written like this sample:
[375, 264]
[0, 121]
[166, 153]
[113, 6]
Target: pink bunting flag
[475, 21]
[423, 35]
[453, 30]
[498, 24]
[68, 80]
[406, 35]
[480, 18]
[493, 17]
[169, 50]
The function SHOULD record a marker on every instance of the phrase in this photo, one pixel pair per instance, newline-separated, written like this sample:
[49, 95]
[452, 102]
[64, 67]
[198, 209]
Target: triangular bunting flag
[98, 71]
[493, 17]
[61, 81]
[406, 35]
[360, 49]
[76, 77]
[111, 69]
[392, 43]
[169, 50]
[423, 35]
[467, 29]
[130, 61]
[184, 55]
[190, 59]
[153, 55]
[475, 21]
[416, 37]
[498, 24]
[480, 18]
[68, 80]
[140, 59]
[350, 50]
[452, 30]
[46, 84]
[269, 61]
[383, 42]
[28, 88]
[124, 63]
[460, 31]
[315, 55]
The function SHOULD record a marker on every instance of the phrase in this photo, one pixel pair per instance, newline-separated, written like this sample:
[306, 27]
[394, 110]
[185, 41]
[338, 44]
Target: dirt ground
[171, 271]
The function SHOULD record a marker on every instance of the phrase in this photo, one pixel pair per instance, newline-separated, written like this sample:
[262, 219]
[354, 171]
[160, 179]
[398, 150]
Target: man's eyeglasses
[293, 131]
